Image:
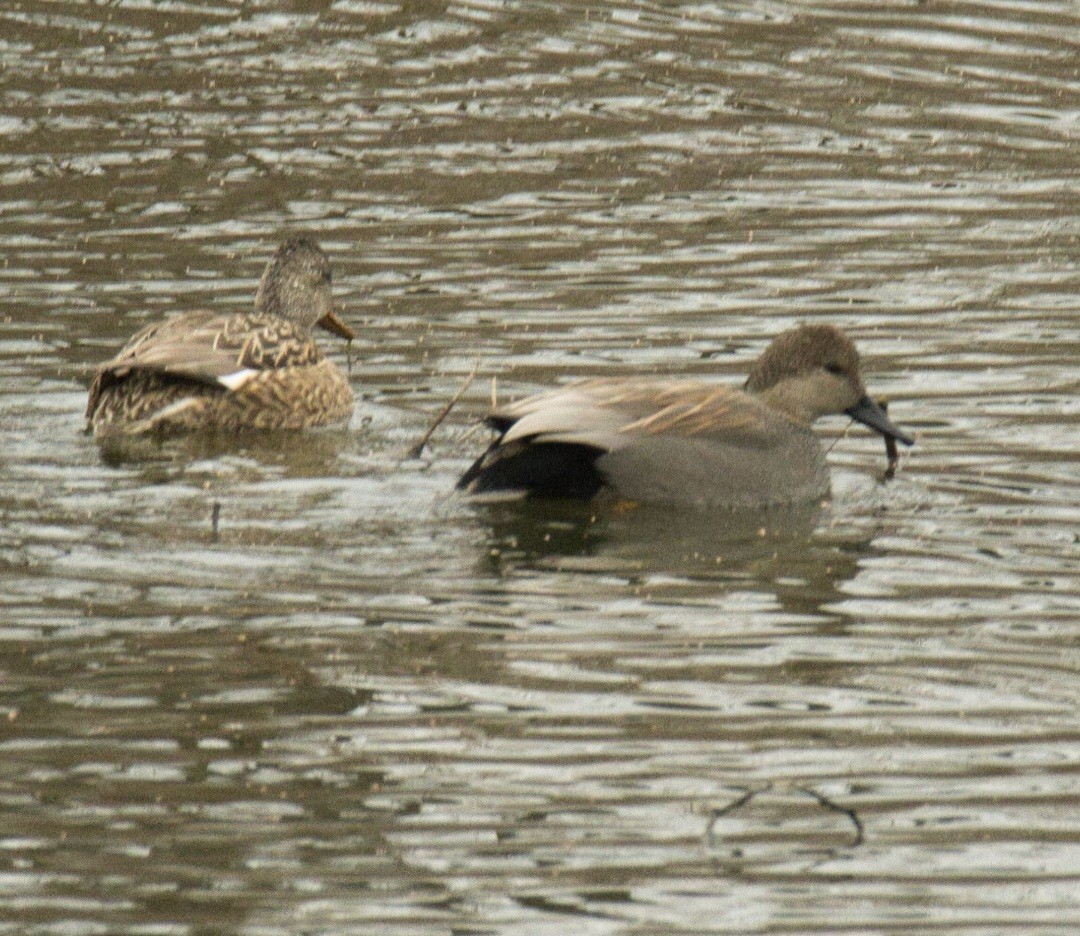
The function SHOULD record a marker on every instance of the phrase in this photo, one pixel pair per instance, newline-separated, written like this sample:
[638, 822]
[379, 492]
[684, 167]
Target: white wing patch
[236, 380]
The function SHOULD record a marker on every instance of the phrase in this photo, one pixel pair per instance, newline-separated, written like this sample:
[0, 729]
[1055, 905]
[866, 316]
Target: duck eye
[833, 368]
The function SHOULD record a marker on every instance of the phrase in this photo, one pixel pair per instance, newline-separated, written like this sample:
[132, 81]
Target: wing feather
[607, 414]
[207, 346]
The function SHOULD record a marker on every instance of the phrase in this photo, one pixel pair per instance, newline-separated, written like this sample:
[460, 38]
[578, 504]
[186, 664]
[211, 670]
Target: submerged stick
[849, 811]
[891, 452]
[416, 450]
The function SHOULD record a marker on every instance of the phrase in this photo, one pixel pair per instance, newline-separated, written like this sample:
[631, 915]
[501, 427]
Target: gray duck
[685, 441]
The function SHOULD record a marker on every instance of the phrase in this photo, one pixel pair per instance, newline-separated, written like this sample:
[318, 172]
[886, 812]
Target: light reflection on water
[366, 705]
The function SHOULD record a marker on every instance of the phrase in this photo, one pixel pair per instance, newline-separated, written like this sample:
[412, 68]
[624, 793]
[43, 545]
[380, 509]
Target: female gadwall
[208, 370]
[684, 441]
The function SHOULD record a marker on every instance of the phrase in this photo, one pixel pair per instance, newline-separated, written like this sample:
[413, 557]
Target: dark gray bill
[870, 414]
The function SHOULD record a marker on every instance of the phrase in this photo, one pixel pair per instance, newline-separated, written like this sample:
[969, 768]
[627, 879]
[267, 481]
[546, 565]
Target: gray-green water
[368, 707]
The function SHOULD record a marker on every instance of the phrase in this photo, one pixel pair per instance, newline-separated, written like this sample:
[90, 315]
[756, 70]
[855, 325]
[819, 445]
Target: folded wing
[611, 414]
[208, 348]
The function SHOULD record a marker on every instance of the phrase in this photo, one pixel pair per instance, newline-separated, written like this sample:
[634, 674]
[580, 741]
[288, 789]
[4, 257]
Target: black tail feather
[545, 469]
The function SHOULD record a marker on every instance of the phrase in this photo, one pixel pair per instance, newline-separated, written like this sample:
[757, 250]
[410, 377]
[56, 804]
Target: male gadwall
[682, 441]
[209, 370]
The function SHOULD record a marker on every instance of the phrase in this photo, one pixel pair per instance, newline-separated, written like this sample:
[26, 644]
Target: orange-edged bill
[336, 326]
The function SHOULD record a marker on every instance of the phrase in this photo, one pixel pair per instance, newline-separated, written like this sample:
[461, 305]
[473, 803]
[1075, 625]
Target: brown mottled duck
[248, 370]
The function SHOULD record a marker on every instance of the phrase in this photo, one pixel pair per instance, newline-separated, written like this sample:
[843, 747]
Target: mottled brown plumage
[683, 440]
[208, 370]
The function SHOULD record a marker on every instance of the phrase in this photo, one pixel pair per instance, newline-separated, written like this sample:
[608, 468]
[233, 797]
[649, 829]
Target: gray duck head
[297, 286]
[813, 370]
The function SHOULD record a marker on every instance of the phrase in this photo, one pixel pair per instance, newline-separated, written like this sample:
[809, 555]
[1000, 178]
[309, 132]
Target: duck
[686, 442]
[204, 370]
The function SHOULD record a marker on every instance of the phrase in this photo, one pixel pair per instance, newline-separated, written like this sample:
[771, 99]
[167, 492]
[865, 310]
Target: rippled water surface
[367, 706]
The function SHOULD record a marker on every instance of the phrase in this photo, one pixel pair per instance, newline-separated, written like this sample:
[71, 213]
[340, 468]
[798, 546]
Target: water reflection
[644, 536]
[310, 453]
[794, 553]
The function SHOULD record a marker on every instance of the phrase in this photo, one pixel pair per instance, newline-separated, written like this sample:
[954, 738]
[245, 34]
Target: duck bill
[871, 414]
[336, 326]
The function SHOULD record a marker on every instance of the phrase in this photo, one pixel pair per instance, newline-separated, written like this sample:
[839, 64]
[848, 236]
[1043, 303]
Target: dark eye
[833, 368]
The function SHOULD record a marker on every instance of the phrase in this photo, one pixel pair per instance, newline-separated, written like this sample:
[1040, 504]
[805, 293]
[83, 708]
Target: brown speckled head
[296, 286]
[802, 350]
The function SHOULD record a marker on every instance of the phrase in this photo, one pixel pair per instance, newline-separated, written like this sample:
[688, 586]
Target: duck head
[297, 286]
[813, 370]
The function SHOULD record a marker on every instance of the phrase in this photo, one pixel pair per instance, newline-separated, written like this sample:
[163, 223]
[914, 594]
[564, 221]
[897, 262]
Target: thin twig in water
[416, 450]
[893, 456]
[843, 435]
[215, 516]
[891, 452]
[844, 810]
[472, 430]
[735, 804]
